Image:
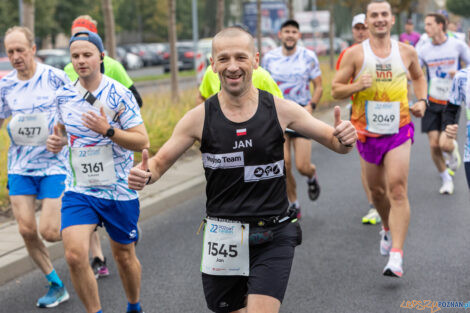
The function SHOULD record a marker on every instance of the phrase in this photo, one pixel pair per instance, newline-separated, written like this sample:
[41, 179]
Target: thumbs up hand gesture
[140, 175]
[56, 141]
[344, 130]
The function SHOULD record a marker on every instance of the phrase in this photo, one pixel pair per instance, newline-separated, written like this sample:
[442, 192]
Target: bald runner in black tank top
[244, 162]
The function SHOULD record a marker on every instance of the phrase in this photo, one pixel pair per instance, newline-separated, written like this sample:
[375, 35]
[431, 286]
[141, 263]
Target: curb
[18, 262]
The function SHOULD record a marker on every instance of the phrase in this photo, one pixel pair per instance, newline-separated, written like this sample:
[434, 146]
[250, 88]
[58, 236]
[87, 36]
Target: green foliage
[459, 7]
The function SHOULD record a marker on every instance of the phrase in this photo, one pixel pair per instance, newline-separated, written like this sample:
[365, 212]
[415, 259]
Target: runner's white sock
[297, 204]
[445, 176]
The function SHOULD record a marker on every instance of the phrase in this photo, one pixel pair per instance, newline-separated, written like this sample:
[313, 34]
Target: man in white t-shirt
[27, 95]
[294, 68]
[441, 56]
[103, 125]
[459, 96]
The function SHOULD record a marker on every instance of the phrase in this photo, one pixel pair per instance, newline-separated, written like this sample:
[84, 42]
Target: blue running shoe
[56, 295]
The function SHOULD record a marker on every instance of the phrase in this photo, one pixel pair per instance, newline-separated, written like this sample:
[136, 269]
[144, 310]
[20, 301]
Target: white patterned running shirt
[293, 73]
[460, 95]
[32, 99]
[117, 98]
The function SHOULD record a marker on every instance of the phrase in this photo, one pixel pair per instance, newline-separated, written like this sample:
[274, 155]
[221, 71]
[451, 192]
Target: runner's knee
[50, 234]
[124, 258]
[377, 191]
[76, 257]
[28, 231]
[397, 192]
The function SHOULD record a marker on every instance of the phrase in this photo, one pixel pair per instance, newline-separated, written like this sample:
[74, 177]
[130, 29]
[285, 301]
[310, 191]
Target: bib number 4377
[29, 129]
[225, 250]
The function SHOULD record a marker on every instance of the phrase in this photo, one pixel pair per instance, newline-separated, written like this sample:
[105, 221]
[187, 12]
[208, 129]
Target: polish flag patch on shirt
[241, 132]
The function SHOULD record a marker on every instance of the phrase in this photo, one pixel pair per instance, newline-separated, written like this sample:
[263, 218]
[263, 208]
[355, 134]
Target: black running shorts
[270, 265]
[433, 118]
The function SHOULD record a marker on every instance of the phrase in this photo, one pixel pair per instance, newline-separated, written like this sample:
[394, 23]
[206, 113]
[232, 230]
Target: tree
[459, 7]
[110, 41]
[220, 14]
[290, 8]
[28, 14]
[173, 52]
[258, 28]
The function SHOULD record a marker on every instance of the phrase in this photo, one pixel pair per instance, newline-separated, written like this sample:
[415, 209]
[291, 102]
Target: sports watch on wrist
[426, 101]
[109, 132]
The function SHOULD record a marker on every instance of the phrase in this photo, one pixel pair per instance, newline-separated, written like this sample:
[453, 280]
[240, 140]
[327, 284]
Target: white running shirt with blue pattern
[33, 97]
[71, 106]
[460, 95]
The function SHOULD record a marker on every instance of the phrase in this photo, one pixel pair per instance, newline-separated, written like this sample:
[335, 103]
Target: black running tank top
[244, 162]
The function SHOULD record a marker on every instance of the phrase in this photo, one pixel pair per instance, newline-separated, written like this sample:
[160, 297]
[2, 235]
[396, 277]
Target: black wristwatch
[425, 101]
[109, 132]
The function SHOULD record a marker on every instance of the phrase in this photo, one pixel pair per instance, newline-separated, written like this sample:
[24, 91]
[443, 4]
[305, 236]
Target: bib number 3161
[93, 166]
[225, 249]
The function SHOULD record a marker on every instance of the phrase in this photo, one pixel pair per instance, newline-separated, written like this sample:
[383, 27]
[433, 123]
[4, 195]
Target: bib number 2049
[380, 118]
[226, 251]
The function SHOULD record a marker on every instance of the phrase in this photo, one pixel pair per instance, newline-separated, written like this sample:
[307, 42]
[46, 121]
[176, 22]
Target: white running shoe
[447, 187]
[394, 267]
[455, 160]
[372, 217]
[385, 242]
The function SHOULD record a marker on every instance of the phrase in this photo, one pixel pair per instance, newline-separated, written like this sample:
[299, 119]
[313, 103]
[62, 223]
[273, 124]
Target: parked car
[185, 50]
[156, 50]
[58, 58]
[5, 67]
[317, 45]
[141, 51]
[267, 44]
[129, 60]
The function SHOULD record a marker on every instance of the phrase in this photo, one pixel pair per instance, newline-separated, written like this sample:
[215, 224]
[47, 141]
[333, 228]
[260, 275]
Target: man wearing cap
[112, 68]
[294, 68]
[116, 71]
[410, 36]
[27, 96]
[361, 33]
[103, 125]
[441, 56]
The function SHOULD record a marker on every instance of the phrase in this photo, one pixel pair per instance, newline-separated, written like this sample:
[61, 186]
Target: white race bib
[29, 129]
[383, 117]
[93, 166]
[439, 88]
[225, 249]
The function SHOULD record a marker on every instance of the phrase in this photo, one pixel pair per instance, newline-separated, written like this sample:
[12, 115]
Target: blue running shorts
[51, 186]
[118, 217]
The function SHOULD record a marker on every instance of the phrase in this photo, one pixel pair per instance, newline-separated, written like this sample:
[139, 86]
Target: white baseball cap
[359, 19]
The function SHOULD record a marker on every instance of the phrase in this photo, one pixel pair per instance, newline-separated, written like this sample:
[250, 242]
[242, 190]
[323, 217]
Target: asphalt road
[336, 269]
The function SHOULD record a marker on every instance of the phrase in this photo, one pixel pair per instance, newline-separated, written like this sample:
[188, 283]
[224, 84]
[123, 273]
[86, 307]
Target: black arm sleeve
[136, 95]
[451, 114]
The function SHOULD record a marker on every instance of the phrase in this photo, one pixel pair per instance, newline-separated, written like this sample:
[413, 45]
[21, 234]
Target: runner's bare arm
[418, 80]
[186, 132]
[199, 98]
[134, 138]
[341, 88]
[57, 140]
[339, 138]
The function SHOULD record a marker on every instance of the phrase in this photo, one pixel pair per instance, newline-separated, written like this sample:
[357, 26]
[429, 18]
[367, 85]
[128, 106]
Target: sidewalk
[184, 180]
